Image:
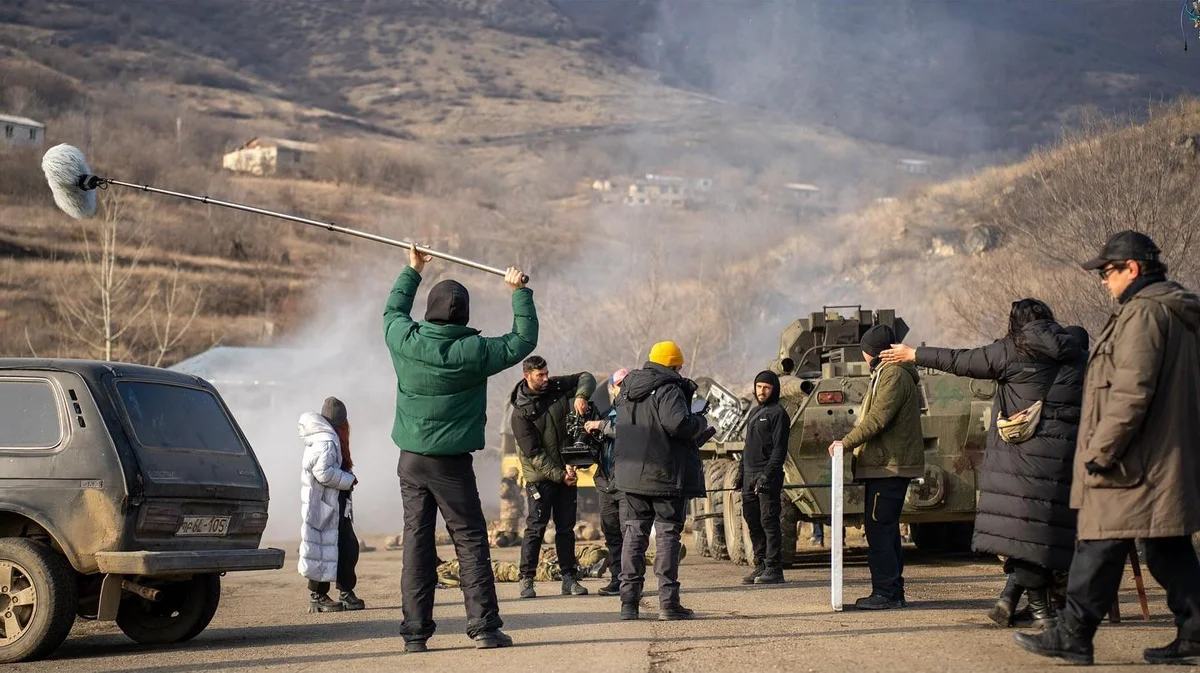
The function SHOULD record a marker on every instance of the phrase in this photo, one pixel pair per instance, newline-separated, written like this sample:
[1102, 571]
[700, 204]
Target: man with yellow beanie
[657, 468]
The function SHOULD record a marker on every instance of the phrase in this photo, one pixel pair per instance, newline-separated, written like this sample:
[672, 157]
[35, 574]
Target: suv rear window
[166, 416]
[29, 415]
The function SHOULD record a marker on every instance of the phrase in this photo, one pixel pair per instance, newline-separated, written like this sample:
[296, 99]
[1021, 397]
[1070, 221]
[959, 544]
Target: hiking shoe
[323, 603]
[527, 588]
[487, 640]
[770, 576]
[878, 602]
[571, 585]
[613, 588]
[1185, 652]
[414, 646]
[1059, 642]
[675, 612]
[352, 602]
[758, 570]
[629, 611]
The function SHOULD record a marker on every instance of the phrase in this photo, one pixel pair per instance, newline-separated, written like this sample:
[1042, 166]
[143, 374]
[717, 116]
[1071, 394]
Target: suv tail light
[157, 518]
[253, 522]
[830, 397]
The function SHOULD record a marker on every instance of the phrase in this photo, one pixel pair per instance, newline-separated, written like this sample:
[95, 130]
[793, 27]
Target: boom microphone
[74, 185]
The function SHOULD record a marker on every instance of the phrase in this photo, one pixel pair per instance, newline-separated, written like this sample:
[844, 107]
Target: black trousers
[446, 484]
[881, 519]
[761, 512]
[548, 500]
[666, 515]
[1095, 578]
[1029, 575]
[612, 520]
[347, 579]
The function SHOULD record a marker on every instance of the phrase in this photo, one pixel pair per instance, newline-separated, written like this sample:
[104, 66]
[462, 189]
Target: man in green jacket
[890, 450]
[540, 406]
[442, 367]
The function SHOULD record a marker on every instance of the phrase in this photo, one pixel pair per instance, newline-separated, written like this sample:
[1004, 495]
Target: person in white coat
[328, 545]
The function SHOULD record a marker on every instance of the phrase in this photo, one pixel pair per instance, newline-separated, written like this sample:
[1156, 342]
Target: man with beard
[760, 476]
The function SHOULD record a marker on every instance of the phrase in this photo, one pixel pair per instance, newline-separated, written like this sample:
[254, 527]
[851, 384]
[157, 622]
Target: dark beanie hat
[448, 302]
[334, 411]
[878, 339]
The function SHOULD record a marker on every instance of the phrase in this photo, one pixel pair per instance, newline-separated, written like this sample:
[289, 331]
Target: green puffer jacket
[442, 371]
[888, 439]
[539, 423]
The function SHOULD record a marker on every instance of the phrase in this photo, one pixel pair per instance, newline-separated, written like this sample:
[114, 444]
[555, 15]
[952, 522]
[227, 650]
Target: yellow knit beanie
[667, 354]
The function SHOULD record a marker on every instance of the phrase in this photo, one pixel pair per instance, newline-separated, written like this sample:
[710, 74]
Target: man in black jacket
[760, 476]
[657, 468]
[540, 405]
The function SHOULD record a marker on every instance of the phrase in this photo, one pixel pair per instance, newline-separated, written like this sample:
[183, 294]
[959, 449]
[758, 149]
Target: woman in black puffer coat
[1024, 510]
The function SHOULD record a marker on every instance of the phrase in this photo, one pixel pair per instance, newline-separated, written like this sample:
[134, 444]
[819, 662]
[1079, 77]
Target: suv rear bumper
[152, 563]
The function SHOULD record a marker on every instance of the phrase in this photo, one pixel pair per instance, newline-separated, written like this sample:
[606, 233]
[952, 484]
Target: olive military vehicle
[823, 378]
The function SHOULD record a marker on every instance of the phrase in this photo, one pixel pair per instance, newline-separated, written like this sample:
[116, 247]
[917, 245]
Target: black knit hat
[878, 339]
[334, 411]
[448, 303]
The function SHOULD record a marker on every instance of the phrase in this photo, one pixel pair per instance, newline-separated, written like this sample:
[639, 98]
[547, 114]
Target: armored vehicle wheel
[789, 523]
[38, 599]
[715, 472]
[737, 536]
[183, 611]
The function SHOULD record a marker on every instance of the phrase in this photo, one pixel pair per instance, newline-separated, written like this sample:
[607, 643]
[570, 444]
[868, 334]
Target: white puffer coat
[321, 478]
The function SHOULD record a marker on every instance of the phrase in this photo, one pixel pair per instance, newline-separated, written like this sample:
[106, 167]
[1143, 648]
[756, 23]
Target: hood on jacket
[521, 396]
[448, 302]
[1048, 338]
[311, 423]
[909, 368]
[768, 376]
[1081, 336]
[1182, 302]
[641, 382]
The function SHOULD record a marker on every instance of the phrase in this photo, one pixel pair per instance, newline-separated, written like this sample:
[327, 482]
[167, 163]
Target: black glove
[760, 482]
[1094, 468]
[737, 482]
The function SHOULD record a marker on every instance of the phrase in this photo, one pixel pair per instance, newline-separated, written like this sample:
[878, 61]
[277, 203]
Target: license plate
[203, 525]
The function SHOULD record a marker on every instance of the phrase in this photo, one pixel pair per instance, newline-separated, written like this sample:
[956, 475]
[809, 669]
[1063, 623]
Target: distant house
[22, 131]
[914, 166]
[668, 190]
[263, 155]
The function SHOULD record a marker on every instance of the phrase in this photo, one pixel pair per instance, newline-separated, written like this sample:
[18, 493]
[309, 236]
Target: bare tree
[171, 319]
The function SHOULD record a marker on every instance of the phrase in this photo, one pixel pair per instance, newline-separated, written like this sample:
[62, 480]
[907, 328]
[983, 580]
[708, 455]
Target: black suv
[125, 493]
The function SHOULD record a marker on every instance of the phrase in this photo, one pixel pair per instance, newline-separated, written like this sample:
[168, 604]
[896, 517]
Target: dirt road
[262, 625]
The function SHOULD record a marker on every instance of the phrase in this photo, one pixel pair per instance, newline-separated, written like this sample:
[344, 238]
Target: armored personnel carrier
[823, 379]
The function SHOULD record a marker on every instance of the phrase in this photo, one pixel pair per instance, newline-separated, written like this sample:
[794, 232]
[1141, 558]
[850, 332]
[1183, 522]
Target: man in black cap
[1137, 470]
[760, 476]
[890, 448]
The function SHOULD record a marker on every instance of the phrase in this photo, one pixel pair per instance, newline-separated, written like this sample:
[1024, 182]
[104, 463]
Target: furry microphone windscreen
[64, 165]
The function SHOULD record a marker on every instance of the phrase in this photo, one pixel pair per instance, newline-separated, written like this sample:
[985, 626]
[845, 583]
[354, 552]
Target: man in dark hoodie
[760, 476]
[890, 447]
[442, 367]
[658, 468]
[540, 406]
[1137, 470]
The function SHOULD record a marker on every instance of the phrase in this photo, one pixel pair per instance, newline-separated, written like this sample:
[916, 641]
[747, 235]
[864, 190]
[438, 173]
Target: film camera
[585, 447]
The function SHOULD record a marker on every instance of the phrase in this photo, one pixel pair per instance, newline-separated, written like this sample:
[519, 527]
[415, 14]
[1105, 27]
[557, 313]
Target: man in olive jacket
[1137, 467]
[890, 450]
[540, 406]
[442, 367]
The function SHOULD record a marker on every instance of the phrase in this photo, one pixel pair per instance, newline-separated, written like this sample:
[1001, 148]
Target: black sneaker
[1058, 642]
[754, 574]
[770, 576]
[527, 588]
[629, 611]
[878, 602]
[323, 603]
[491, 639]
[1184, 652]
[571, 585]
[352, 602]
[675, 612]
[613, 588]
[414, 646]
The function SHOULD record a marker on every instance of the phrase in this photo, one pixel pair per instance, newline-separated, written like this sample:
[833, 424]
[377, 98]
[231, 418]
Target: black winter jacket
[539, 424]
[1024, 507]
[655, 453]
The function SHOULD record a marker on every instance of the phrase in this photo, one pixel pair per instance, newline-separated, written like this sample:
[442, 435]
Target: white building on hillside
[22, 131]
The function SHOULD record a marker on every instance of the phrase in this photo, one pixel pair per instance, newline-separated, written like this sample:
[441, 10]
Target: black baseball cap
[1125, 245]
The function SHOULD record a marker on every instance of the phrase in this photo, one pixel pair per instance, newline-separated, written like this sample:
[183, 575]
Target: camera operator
[611, 519]
[540, 406]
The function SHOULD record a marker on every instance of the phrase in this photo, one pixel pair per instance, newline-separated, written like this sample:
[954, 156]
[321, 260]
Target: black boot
[629, 611]
[672, 613]
[352, 602]
[613, 588]
[771, 575]
[1185, 652]
[758, 570]
[323, 603]
[1060, 642]
[1044, 616]
[571, 585]
[1002, 611]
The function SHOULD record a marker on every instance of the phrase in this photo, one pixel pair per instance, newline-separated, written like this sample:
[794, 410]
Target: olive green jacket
[888, 439]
